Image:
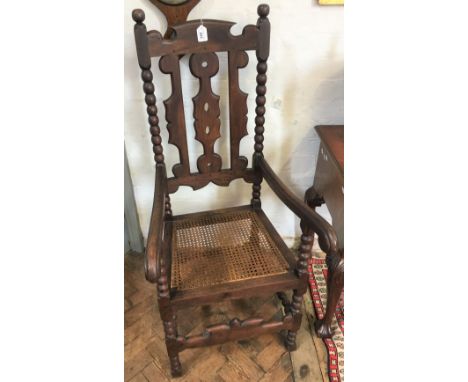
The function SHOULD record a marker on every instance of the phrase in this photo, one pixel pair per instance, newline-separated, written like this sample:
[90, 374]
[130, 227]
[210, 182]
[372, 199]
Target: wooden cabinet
[328, 188]
[329, 175]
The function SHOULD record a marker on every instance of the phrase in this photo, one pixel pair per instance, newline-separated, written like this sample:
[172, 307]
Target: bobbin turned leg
[168, 317]
[263, 51]
[170, 330]
[295, 310]
[296, 303]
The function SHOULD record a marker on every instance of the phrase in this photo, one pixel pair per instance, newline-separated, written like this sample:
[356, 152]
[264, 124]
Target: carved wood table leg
[335, 263]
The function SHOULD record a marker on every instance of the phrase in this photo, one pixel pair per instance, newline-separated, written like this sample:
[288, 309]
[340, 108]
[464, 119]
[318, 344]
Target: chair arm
[327, 236]
[156, 229]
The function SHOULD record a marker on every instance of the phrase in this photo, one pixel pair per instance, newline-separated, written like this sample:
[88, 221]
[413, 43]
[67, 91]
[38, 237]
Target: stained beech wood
[162, 237]
[184, 39]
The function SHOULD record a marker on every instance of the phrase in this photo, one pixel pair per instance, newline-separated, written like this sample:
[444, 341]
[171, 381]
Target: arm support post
[156, 230]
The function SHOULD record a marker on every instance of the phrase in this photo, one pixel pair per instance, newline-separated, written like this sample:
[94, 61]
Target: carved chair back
[204, 65]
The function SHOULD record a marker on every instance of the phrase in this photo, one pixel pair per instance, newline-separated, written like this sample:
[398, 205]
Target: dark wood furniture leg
[168, 317]
[297, 297]
[170, 331]
[284, 301]
[266, 265]
[335, 282]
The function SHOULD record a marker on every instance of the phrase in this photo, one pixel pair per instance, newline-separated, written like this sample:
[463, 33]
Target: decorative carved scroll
[175, 115]
[235, 330]
[206, 111]
[220, 178]
[184, 39]
[237, 108]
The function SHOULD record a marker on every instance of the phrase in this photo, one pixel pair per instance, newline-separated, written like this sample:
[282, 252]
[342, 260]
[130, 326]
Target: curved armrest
[327, 236]
[155, 235]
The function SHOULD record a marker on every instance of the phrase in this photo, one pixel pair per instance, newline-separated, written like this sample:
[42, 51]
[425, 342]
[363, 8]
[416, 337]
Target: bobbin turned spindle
[262, 52]
[233, 253]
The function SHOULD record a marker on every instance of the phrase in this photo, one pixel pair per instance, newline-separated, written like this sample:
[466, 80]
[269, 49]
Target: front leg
[168, 317]
[335, 282]
[301, 269]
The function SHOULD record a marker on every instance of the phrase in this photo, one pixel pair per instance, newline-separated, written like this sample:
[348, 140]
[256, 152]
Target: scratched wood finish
[204, 64]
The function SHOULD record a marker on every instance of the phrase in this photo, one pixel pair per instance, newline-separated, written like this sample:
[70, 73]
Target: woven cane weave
[217, 248]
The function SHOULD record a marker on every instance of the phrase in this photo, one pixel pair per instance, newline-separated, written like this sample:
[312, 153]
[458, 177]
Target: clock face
[173, 2]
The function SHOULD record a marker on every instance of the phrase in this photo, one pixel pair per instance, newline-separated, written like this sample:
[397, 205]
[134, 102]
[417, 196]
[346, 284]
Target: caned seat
[234, 253]
[212, 248]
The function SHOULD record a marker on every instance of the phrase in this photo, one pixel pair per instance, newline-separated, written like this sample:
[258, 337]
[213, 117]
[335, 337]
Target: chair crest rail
[184, 39]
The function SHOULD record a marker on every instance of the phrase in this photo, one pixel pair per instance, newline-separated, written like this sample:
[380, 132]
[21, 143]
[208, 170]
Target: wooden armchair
[232, 253]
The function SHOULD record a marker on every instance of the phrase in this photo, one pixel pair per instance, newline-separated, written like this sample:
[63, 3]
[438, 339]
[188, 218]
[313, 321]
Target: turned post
[144, 60]
[301, 269]
[262, 52]
[169, 322]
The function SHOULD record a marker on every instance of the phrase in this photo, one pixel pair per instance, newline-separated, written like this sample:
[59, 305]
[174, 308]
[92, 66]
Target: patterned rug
[318, 285]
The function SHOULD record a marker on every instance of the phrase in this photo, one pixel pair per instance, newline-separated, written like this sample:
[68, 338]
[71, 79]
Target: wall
[305, 89]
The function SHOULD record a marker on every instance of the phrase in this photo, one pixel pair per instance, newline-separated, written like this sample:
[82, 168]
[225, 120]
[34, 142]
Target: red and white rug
[318, 273]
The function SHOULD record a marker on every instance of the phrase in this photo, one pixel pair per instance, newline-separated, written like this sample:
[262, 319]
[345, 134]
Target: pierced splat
[206, 111]
[163, 238]
[237, 108]
[175, 114]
